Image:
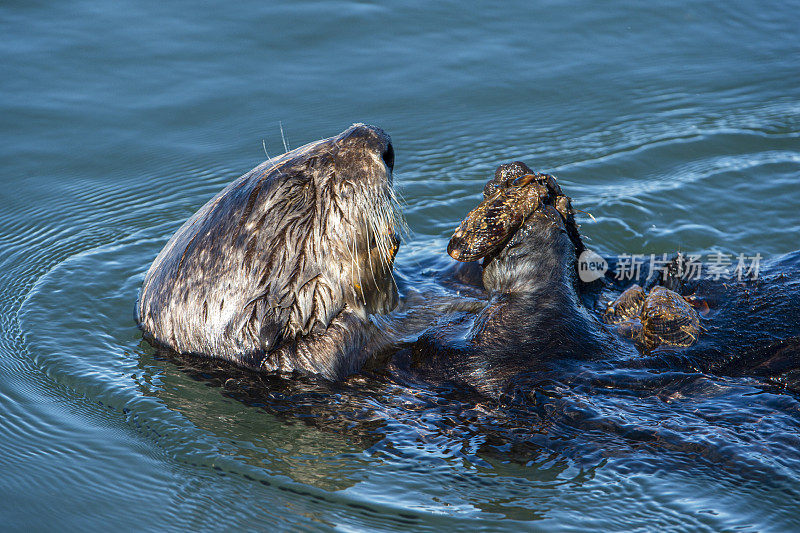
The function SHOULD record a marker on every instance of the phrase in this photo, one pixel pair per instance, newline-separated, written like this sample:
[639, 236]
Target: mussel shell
[487, 227]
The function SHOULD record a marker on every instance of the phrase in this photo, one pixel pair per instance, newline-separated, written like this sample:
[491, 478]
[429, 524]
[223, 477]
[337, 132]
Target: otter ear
[489, 226]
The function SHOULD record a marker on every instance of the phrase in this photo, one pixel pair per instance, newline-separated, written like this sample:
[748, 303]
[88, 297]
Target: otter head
[350, 214]
[524, 230]
[299, 242]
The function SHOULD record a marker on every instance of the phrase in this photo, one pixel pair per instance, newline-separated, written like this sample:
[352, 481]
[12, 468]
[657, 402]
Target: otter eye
[388, 156]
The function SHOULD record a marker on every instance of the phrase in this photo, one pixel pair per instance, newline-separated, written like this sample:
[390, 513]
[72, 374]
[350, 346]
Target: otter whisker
[368, 259]
[356, 269]
[389, 221]
[283, 137]
[396, 206]
[356, 288]
[377, 219]
[351, 245]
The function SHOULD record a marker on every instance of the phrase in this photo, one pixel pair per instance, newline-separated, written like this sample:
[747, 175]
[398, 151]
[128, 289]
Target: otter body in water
[525, 233]
[281, 270]
[540, 322]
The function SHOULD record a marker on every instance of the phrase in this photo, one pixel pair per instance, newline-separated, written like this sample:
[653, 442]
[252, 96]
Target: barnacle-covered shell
[628, 305]
[513, 194]
[668, 319]
[494, 220]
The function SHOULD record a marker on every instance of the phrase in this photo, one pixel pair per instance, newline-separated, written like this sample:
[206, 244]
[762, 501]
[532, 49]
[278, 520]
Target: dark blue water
[676, 125]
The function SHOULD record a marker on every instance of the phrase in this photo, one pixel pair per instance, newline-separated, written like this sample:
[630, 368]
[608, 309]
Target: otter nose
[361, 136]
[388, 156]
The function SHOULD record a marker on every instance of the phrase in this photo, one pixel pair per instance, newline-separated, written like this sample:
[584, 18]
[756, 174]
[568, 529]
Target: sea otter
[282, 270]
[285, 269]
